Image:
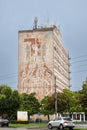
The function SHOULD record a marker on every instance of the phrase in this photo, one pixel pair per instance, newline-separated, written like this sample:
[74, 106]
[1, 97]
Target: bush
[18, 122]
[31, 120]
[38, 120]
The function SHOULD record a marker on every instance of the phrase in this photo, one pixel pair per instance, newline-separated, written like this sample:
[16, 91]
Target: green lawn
[39, 125]
[36, 125]
[80, 129]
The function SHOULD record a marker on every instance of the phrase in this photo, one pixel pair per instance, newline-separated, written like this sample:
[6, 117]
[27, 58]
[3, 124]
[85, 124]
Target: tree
[14, 103]
[62, 102]
[5, 92]
[83, 96]
[72, 101]
[47, 106]
[2, 104]
[9, 101]
[29, 103]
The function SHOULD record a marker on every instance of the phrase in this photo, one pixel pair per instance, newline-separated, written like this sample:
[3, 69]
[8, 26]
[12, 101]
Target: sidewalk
[81, 126]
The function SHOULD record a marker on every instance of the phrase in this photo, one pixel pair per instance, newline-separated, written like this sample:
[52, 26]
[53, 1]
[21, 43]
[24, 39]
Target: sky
[69, 15]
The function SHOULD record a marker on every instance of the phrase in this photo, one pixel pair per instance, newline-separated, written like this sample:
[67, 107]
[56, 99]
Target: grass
[39, 125]
[35, 125]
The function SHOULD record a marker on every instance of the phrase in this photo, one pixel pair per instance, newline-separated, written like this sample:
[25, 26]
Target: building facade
[41, 58]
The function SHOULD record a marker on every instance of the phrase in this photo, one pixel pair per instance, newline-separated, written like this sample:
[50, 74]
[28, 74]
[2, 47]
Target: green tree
[9, 101]
[14, 103]
[62, 102]
[29, 103]
[47, 106]
[2, 104]
[72, 101]
[5, 92]
[83, 97]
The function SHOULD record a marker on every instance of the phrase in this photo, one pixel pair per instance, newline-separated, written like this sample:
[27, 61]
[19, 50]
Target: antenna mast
[35, 22]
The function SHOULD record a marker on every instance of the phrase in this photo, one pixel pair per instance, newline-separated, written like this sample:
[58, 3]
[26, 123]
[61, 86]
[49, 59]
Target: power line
[12, 82]
[78, 56]
[79, 71]
[85, 60]
[8, 74]
[4, 78]
[79, 65]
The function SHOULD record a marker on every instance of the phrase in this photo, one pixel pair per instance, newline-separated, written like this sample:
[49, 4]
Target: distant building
[41, 57]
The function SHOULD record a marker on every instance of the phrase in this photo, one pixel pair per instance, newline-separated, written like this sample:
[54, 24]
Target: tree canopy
[67, 101]
[29, 103]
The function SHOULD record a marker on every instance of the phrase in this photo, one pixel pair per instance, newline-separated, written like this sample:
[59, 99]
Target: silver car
[61, 123]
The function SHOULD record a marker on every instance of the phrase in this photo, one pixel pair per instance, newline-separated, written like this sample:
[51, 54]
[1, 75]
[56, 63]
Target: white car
[61, 123]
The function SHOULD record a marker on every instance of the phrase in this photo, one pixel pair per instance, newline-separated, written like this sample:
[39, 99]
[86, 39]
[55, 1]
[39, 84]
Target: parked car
[4, 122]
[61, 123]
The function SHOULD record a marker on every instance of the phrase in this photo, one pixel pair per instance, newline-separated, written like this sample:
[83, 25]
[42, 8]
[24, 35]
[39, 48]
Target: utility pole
[55, 99]
[55, 96]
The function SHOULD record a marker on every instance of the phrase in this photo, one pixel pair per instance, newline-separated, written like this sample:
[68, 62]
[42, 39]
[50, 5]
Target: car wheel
[70, 128]
[6, 124]
[61, 127]
[50, 126]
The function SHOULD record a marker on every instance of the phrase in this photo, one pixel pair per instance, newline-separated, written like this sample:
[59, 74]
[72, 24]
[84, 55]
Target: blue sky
[70, 15]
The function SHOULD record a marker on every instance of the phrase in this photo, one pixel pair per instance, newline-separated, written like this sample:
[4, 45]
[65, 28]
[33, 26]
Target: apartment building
[43, 62]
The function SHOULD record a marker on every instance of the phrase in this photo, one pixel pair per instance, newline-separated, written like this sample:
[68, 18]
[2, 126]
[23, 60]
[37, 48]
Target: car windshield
[68, 119]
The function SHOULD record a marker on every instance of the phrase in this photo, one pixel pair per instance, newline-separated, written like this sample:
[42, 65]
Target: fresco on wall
[35, 75]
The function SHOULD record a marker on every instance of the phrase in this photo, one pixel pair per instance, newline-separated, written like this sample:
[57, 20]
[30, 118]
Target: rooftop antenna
[55, 22]
[59, 28]
[35, 22]
[48, 21]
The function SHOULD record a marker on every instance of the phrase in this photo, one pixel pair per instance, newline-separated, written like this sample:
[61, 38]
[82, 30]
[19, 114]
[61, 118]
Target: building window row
[59, 44]
[63, 64]
[62, 77]
[60, 53]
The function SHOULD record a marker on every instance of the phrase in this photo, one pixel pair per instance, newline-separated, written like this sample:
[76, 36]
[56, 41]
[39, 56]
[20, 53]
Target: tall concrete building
[41, 58]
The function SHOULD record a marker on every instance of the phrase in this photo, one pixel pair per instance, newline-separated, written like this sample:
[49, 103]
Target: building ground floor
[75, 116]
